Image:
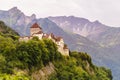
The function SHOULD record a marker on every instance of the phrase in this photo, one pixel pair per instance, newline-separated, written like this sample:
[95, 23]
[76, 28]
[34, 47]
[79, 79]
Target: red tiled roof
[35, 25]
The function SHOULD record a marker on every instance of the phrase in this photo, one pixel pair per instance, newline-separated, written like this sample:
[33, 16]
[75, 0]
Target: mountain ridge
[107, 37]
[21, 23]
[92, 30]
[40, 59]
[78, 25]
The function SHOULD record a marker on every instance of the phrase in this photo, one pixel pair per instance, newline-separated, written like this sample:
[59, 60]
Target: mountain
[78, 25]
[104, 35]
[19, 23]
[107, 37]
[79, 38]
[17, 19]
[40, 60]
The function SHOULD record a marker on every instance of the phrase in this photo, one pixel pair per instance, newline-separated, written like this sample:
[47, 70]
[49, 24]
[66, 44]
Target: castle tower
[35, 28]
[36, 31]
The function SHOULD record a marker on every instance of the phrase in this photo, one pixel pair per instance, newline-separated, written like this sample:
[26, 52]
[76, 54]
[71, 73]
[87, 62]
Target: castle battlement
[36, 30]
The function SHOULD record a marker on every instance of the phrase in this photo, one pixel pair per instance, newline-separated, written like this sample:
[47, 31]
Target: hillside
[87, 41]
[4, 29]
[108, 38]
[40, 60]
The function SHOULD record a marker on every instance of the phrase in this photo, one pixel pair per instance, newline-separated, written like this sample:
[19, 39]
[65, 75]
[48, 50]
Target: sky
[105, 11]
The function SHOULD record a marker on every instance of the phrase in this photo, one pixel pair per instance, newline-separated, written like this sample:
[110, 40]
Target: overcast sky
[106, 11]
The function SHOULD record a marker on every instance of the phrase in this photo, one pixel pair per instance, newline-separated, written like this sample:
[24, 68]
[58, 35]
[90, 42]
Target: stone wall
[26, 38]
[63, 51]
[60, 43]
[34, 30]
[66, 52]
[38, 35]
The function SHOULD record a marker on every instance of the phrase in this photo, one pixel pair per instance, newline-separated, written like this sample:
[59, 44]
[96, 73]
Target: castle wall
[60, 43]
[64, 52]
[49, 37]
[26, 38]
[34, 30]
[37, 31]
[38, 35]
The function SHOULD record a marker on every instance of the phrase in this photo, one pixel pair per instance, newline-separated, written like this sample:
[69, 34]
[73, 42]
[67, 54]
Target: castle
[36, 30]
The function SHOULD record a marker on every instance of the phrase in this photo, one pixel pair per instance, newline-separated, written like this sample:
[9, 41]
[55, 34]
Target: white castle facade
[36, 30]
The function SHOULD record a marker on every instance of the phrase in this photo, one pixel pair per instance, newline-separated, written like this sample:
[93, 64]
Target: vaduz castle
[36, 30]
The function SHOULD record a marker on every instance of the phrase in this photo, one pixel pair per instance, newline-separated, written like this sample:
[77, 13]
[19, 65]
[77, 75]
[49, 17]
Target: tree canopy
[35, 54]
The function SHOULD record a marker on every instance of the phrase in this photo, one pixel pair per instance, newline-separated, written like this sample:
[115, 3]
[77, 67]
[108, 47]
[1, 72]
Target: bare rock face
[78, 25]
[44, 73]
[17, 20]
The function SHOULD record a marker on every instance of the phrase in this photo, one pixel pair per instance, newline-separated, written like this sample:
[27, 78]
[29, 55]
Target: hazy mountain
[21, 23]
[17, 19]
[95, 31]
[40, 60]
[79, 25]
[80, 34]
[107, 37]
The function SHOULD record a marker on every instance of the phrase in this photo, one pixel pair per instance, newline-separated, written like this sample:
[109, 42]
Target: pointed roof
[35, 25]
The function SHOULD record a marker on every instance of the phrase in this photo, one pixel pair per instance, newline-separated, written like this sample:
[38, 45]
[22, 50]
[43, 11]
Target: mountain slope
[107, 37]
[70, 32]
[17, 20]
[19, 23]
[4, 29]
[79, 25]
[40, 60]
[95, 31]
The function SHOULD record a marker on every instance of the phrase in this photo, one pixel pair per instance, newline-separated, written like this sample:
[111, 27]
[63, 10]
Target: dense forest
[19, 60]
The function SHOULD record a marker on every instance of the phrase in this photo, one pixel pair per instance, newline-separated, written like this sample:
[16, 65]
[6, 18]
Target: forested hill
[40, 60]
[6, 30]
